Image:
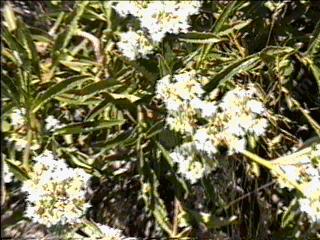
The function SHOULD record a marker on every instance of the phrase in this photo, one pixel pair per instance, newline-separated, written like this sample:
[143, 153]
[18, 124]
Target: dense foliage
[158, 119]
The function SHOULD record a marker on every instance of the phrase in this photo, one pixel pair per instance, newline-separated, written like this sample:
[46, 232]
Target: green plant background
[60, 57]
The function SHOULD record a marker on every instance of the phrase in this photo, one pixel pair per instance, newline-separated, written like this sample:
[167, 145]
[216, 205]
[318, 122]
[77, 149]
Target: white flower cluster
[110, 233]
[311, 204]
[134, 45]
[160, 17]
[52, 123]
[17, 117]
[238, 114]
[56, 192]
[225, 123]
[7, 174]
[181, 94]
[189, 165]
[307, 174]
[19, 142]
[134, 8]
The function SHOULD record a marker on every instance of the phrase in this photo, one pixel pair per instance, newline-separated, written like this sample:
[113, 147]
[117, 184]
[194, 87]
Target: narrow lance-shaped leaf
[274, 51]
[210, 220]
[224, 16]
[316, 73]
[180, 183]
[25, 35]
[14, 45]
[98, 109]
[315, 41]
[290, 213]
[201, 38]
[9, 17]
[96, 87]
[9, 84]
[18, 171]
[58, 89]
[235, 27]
[64, 38]
[231, 70]
[90, 126]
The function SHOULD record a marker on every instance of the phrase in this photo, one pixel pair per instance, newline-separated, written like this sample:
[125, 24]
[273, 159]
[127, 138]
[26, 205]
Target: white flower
[310, 204]
[243, 110]
[207, 109]
[161, 17]
[190, 168]
[311, 189]
[307, 174]
[110, 233]
[233, 126]
[203, 142]
[56, 193]
[259, 127]
[7, 174]
[238, 145]
[311, 208]
[180, 122]
[17, 117]
[134, 45]
[256, 106]
[52, 123]
[124, 8]
[18, 141]
[181, 95]
[193, 171]
[292, 173]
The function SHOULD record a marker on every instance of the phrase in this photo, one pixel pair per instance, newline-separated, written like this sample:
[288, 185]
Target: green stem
[26, 152]
[296, 157]
[272, 167]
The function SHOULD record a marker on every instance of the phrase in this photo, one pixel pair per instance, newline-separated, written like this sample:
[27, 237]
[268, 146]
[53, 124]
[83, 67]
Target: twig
[95, 43]
[175, 217]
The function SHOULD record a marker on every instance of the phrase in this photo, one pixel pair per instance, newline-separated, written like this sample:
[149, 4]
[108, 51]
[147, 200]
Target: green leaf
[132, 98]
[316, 73]
[64, 38]
[232, 6]
[78, 66]
[58, 89]
[274, 51]
[17, 170]
[290, 213]
[153, 201]
[121, 103]
[89, 126]
[77, 159]
[10, 86]
[315, 41]
[210, 221]
[234, 28]
[154, 130]
[97, 87]
[9, 17]
[25, 36]
[201, 38]
[6, 108]
[180, 184]
[163, 66]
[98, 109]
[14, 45]
[234, 68]
[165, 154]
